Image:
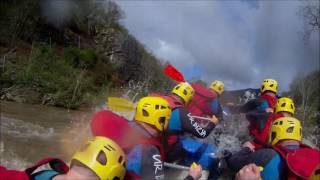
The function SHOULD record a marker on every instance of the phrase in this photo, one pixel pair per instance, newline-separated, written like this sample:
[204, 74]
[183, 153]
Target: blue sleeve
[134, 160]
[216, 109]
[274, 170]
[214, 106]
[44, 175]
[175, 121]
[263, 106]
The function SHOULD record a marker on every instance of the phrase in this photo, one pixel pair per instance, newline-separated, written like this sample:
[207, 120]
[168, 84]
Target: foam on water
[22, 129]
[12, 160]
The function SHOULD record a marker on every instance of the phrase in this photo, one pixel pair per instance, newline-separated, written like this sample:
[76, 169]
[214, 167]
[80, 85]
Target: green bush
[80, 58]
[56, 79]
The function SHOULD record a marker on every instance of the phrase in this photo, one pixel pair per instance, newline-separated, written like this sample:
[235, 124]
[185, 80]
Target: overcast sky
[238, 42]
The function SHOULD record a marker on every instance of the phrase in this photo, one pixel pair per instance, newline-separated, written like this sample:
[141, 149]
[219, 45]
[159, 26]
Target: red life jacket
[200, 103]
[301, 162]
[270, 99]
[108, 124]
[131, 176]
[172, 101]
[12, 174]
[261, 137]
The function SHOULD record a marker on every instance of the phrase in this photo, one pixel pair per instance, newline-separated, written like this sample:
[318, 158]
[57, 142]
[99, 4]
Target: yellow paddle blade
[120, 104]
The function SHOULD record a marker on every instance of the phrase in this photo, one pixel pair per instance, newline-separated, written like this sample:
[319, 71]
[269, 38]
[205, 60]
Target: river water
[32, 132]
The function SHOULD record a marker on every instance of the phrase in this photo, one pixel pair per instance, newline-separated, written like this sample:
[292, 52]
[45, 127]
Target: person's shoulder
[150, 148]
[181, 109]
[268, 151]
[275, 167]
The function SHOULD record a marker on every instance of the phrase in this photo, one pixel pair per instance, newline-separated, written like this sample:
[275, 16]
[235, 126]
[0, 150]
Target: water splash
[229, 134]
[311, 136]
[76, 133]
[136, 88]
[12, 160]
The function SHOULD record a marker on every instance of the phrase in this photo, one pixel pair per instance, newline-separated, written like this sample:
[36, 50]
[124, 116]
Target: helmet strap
[164, 139]
[149, 129]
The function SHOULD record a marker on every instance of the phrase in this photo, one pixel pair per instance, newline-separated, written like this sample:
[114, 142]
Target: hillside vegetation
[71, 53]
[305, 91]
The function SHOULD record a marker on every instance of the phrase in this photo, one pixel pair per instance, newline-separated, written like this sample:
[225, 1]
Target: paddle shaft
[203, 118]
[204, 173]
[176, 166]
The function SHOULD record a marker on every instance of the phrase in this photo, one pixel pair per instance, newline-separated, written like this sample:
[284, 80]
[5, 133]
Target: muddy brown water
[32, 132]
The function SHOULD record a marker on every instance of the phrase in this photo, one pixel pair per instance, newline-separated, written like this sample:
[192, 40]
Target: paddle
[120, 104]
[202, 118]
[205, 173]
[173, 73]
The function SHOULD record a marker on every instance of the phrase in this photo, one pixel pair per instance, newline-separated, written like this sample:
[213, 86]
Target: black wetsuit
[144, 160]
[181, 122]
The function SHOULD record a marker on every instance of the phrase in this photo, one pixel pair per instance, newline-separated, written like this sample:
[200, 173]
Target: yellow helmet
[285, 128]
[285, 104]
[217, 86]
[184, 90]
[154, 111]
[269, 85]
[104, 157]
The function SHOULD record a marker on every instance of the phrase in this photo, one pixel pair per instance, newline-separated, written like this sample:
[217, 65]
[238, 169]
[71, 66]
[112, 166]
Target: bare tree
[311, 17]
[305, 90]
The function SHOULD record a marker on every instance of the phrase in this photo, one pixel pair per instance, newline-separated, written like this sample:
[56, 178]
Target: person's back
[261, 120]
[141, 139]
[302, 161]
[286, 157]
[204, 103]
[184, 123]
[179, 98]
[266, 100]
